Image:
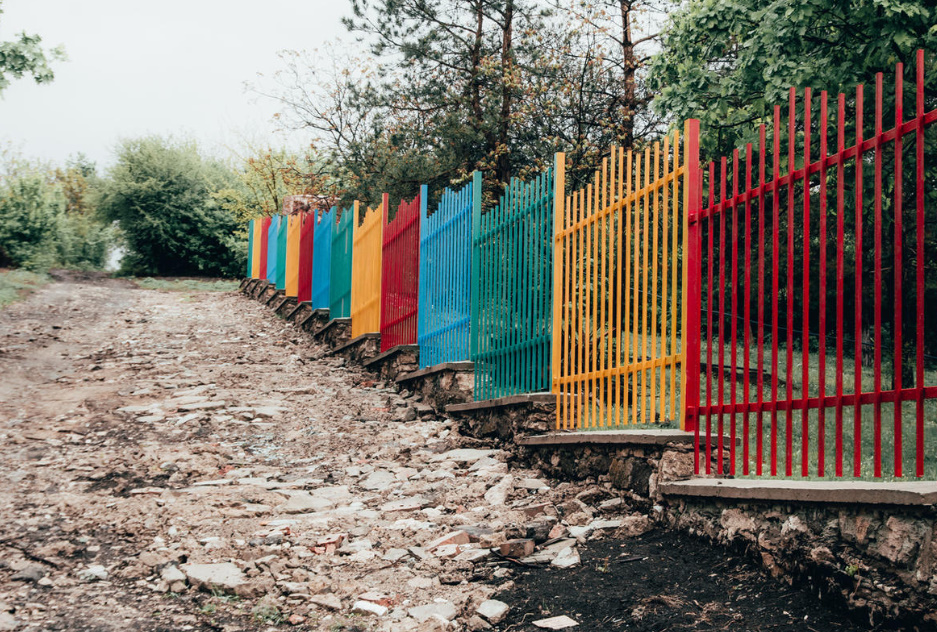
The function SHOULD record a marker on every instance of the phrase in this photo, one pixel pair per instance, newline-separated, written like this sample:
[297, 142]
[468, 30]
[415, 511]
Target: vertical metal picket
[400, 273]
[340, 277]
[366, 270]
[322, 259]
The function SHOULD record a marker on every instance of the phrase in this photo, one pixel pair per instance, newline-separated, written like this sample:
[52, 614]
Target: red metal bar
[805, 314]
[857, 414]
[919, 265]
[694, 281]
[821, 360]
[899, 116]
[789, 307]
[722, 311]
[840, 277]
[775, 245]
[735, 301]
[746, 312]
[306, 234]
[759, 445]
[877, 270]
[264, 230]
[709, 323]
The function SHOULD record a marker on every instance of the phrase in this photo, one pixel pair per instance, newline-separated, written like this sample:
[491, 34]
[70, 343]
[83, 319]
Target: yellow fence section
[293, 230]
[619, 292]
[366, 270]
[255, 251]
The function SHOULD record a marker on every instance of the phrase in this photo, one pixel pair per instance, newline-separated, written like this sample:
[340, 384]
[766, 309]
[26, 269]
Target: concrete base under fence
[360, 348]
[870, 546]
[395, 361]
[284, 306]
[441, 385]
[506, 417]
[334, 333]
[314, 321]
[299, 312]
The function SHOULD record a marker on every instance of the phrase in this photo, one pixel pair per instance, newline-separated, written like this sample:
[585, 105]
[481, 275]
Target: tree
[728, 63]
[25, 56]
[160, 194]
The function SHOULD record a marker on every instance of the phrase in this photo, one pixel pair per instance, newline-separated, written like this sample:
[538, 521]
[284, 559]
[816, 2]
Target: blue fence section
[342, 245]
[445, 310]
[272, 249]
[322, 259]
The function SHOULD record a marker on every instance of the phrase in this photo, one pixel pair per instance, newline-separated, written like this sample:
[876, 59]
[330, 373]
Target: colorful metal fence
[400, 273]
[255, 248]
[294, 228]
[282, 231]
[620, 289]
[797, 377]
[340, 277]
[322, 259]
[445, 295]
[272, 244]
[512, 287]
[366, 270]
[307, 233]
[250, 249]
[264, 238]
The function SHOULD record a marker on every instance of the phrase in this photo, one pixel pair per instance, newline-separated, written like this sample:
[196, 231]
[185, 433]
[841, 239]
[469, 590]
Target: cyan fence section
[322, 259]
[282, 229]
[250, 247]
[512, 289]
[342, 244]
[272, 249]
[445, 276]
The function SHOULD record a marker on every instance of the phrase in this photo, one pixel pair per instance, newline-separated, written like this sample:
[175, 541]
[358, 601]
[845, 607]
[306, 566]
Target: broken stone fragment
[556, 623]
[517, 548]
[224, 575]
[172, 574]
[366, 607]
[493, 610]
[566, 558]
[327, 600]
[455, 537]
[440, 609]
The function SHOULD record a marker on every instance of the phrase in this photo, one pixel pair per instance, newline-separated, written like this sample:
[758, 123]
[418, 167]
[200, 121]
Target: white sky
[167, 67]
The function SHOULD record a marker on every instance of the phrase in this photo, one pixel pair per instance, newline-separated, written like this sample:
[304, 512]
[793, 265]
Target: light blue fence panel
[445, 310]
[272, 249]
[342, 244]
[322, 259]
[281, 252]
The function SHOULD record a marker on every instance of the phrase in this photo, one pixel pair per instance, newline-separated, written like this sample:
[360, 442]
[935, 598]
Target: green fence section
[340, 282]
[512, 289]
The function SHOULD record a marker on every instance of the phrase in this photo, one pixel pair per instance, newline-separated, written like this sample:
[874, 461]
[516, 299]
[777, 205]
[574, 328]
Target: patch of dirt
[664, 581]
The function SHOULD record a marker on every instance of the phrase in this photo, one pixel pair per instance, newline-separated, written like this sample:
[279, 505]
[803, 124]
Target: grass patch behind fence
[187, 285]
[17, 284]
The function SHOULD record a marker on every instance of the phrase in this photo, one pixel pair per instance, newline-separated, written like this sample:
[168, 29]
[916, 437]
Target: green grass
[17, 284]
[187, 285]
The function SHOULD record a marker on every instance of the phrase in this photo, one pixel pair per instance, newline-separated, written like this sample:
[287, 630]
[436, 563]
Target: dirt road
[186, 461]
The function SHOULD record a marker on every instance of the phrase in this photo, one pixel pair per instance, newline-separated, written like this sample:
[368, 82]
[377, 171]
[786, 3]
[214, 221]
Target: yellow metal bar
[603, 292]
[655, 250]
[618, 289]
[366, 270]
[293, 228]
[255, 251]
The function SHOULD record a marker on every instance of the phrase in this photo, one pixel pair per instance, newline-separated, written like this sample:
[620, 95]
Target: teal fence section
[272, 249]
[445, 311]
[512, 290]
[250, 248]
[281, 252]
[340, 281]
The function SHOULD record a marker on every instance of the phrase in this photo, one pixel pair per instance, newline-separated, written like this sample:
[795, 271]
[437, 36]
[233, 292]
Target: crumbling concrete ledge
[299, 312]
[441, 385]
[359, 349]
[285, 306]
[395, 361]
[505, 418]
[334, 333]
[869, 546]
[314, 321]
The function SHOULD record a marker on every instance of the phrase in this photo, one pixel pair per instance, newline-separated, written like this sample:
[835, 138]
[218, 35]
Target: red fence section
[400, 274]
[307, 232]
[813, 287]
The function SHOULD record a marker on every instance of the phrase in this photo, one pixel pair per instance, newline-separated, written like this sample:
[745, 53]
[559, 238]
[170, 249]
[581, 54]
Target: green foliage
[267, 613]
[36, 229]
[15, 284]
[25, 56]
[160, 192]
[729, 63]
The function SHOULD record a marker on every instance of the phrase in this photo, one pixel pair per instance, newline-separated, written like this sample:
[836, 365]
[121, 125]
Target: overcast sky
[168, 67]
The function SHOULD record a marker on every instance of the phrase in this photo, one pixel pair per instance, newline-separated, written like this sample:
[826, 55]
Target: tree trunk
[507, 61]
[627, 106]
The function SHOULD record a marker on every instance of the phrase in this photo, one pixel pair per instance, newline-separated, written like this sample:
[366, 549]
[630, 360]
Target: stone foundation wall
[285, 306]
[360, 349]
[394, 362]
[314, 321]
[334, 333]
[441, 388]
[506, 421]
[878, 561]
[299, 313]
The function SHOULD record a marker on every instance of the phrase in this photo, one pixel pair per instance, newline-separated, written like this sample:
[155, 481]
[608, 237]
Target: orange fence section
[366, 270]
